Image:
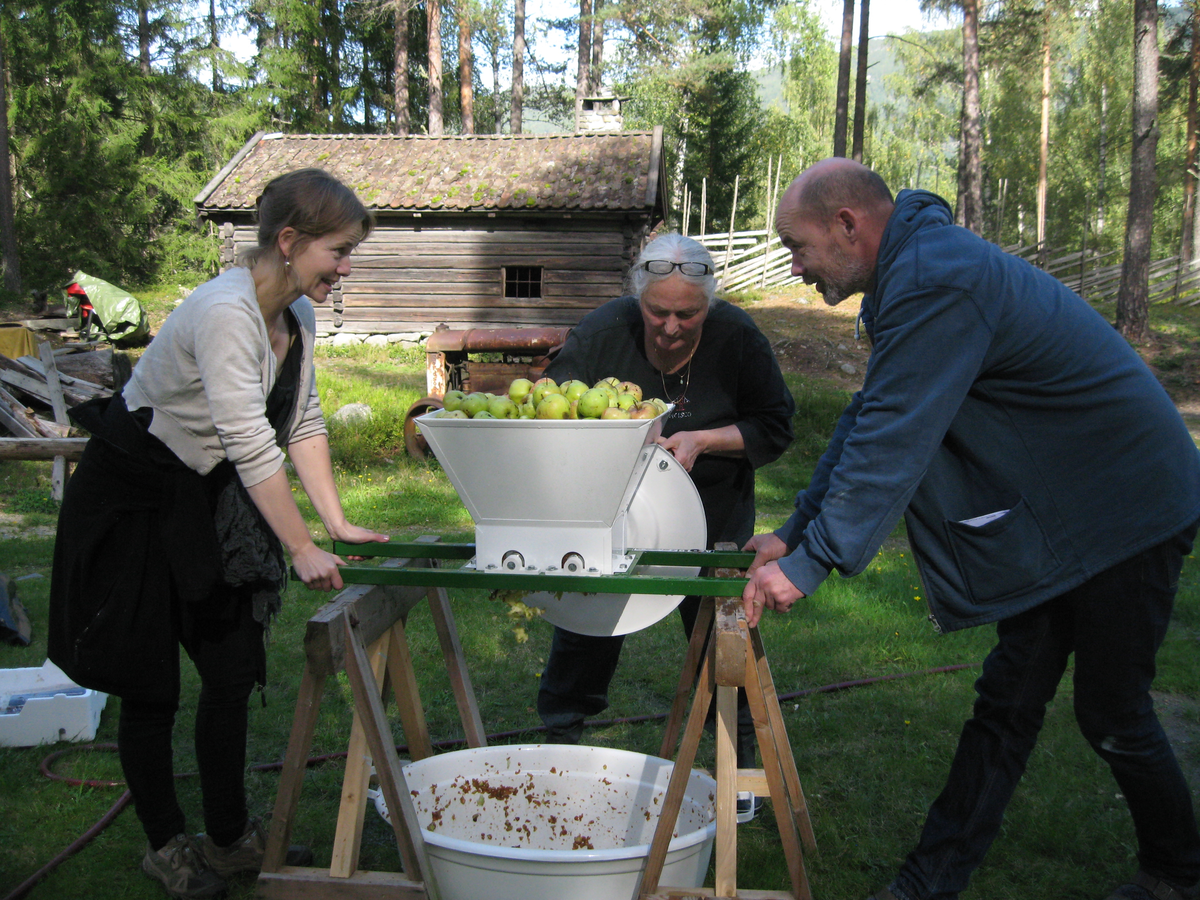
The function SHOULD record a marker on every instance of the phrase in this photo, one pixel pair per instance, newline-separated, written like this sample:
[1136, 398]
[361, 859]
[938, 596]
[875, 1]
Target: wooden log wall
[409, 279]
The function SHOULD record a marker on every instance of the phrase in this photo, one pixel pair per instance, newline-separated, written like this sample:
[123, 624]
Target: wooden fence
[751, 260]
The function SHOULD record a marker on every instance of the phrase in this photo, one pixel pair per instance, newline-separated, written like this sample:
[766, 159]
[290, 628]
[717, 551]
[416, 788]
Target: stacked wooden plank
[30, 386]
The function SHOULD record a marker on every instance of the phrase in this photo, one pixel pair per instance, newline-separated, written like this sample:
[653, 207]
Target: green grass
[870, 758]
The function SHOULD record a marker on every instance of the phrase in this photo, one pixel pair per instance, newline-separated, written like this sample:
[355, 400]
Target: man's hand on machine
[768, 587]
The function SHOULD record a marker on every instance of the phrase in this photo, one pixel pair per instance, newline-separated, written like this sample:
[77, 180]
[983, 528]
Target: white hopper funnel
[544, 491]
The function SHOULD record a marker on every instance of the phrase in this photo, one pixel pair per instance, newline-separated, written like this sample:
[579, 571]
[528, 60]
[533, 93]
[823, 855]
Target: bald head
[831, 184]
[832, 219]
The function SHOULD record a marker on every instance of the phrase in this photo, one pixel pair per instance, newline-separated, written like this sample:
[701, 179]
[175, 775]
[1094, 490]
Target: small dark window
[521, 282]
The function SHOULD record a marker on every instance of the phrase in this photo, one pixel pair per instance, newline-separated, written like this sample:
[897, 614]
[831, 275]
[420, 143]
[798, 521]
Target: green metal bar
[517, 581]
[711, 558]
[400, 550]
[437, 550]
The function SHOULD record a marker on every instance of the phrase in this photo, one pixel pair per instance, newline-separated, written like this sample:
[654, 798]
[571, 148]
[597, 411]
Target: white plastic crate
[41, 706]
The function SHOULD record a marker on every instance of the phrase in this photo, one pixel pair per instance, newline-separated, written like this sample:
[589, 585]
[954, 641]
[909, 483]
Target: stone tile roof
[590, 171]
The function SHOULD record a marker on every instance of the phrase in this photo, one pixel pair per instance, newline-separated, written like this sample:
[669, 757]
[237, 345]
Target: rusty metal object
[513, 341]
[437, 374]
[413, 442]
[448, 366]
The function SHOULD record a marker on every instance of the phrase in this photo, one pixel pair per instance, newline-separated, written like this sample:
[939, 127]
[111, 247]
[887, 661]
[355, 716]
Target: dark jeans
[1114, 624]
[228, 654]
[580, 667]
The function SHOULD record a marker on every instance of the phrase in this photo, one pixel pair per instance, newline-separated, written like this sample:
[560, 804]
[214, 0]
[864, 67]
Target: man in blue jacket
[1048, 485]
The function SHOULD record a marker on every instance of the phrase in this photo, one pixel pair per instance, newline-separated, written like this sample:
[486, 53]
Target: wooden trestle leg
[734, 658]
[337, 639]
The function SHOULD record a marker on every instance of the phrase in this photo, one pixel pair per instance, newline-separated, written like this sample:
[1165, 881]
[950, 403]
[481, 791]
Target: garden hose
[123, 801]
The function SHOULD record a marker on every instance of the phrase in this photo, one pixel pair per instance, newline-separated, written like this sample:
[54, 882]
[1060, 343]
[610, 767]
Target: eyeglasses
[666, 267]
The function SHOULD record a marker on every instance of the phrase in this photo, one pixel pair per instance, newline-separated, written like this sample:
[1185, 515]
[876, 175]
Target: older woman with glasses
[733, 412]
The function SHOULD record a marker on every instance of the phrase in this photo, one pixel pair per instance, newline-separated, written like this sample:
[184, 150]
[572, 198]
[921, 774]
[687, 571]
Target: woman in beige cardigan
[173, 528]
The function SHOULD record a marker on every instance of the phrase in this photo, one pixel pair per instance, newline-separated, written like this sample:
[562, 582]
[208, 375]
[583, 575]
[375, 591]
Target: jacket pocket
[1002, 557]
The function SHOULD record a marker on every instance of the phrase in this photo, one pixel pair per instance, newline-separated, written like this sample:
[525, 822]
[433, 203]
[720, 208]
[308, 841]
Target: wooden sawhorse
[362, 632]
[734, 658]
[363, 617]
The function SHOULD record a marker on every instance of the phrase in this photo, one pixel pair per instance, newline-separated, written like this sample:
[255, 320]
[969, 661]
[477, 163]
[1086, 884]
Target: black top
[733, 380]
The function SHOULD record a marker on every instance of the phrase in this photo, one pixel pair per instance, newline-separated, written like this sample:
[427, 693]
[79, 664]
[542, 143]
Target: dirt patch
[811, 339]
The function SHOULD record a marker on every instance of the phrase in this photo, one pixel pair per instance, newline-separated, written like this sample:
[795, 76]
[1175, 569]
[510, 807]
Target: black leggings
[230, 658]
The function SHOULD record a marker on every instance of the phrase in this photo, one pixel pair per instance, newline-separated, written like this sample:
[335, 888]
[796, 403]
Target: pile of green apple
[609, 398]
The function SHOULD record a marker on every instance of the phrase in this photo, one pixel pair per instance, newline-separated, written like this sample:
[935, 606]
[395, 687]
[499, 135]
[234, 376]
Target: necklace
[686, 379]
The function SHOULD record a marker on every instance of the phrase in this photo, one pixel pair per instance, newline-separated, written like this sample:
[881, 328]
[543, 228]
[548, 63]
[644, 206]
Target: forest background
[115, 113]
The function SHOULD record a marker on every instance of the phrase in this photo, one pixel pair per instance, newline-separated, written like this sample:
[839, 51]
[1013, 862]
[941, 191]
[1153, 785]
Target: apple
[573, 411]
[592, 403]
[660, 403]
[503, 408]
[644, 411]
[573, 390]
[553, 406]
[452, 414]
[612, 381]
[483, 414]
[452, 400]
[519, 389]
[542, 387]
[615, 412]
[474, 404]
[628, 387]
[528, 409]
[626, 401]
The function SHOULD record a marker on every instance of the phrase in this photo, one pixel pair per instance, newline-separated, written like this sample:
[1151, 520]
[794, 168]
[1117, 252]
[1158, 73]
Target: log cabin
[473, 231]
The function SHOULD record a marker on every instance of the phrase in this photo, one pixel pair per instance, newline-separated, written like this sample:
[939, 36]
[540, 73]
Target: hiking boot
[1149, 887]
[182, 870]
[246, 853]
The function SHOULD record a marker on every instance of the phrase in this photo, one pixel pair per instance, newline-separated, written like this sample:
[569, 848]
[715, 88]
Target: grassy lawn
[871, 758]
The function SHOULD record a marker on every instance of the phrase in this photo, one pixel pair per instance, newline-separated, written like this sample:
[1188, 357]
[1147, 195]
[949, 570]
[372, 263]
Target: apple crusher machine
[603, 531]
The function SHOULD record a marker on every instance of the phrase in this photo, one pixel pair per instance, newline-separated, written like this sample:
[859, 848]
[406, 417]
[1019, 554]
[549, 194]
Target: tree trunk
[843, 83]
[214, 43]
[466, 76]
[583, 57]
[970, 165]
[143, 36]
[1187, 244]
[401, 117]
[1133, 297]
[518, 66]
[1102, 188]
[596, 72]
[433, 16]
[495, 50]
[860, 84]
[1044, 147]
[10, 261]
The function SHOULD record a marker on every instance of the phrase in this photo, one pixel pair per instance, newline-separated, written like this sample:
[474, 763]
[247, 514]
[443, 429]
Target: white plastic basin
[554, 822]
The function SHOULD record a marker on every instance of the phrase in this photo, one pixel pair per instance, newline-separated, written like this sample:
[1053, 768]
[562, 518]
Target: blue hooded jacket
[1025, 442]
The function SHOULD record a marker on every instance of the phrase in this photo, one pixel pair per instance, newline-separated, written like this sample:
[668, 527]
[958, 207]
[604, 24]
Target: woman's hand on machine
[356, 534]
[318, 568]
[685, 446]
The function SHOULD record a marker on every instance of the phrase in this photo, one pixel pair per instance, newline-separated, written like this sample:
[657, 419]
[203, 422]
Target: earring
[287, 263]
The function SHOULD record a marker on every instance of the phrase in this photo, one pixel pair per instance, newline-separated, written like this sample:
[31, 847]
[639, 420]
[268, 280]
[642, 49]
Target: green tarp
[121, 316]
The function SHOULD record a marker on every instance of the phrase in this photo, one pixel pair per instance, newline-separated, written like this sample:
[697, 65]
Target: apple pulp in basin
[554, 822]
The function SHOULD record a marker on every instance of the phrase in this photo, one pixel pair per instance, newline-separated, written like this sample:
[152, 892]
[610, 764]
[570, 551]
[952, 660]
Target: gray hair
[673, 248]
